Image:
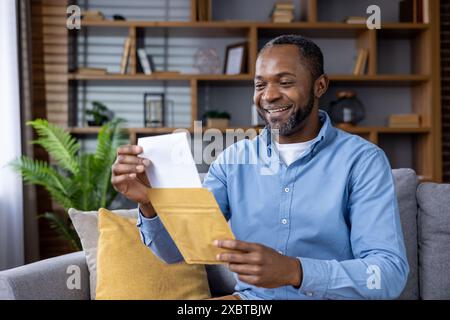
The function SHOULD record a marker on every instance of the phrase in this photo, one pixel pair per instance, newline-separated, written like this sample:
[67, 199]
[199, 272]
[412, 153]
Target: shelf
[241, 77]
[396, 79]
[248, 24]
[168, 24]
[141, 77]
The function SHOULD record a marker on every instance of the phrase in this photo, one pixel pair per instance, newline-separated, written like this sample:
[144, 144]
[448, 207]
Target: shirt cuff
[149, 228]
[316, 276]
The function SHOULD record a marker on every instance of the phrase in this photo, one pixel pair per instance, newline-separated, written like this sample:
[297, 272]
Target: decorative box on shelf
[404, 120]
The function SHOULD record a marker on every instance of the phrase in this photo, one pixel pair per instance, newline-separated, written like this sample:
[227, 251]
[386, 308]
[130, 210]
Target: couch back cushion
[434, 240]
[406, 182]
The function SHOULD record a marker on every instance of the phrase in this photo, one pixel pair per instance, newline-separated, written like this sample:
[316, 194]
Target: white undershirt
[289, 152]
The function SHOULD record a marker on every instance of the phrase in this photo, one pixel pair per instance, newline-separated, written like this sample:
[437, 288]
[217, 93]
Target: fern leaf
[58, 143]
[40, 173]
[110, 137]
[63, 229]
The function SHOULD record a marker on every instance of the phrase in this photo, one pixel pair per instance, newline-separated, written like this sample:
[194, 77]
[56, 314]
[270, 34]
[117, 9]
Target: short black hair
[307, 48]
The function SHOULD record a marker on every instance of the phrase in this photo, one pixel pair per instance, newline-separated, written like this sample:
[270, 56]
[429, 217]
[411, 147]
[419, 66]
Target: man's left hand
[259, 265]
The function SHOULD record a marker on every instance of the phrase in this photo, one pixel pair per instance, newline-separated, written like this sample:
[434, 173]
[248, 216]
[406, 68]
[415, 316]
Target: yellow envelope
[193, 219]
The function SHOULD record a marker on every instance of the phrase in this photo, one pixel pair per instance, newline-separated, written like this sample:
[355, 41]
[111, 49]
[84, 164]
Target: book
[203, 10]
[282, 12]
[93, 71]
[426, 11]
[361, 62]
[419, 11]
[285, 6]
[125, 56]
[406, 11]
[354, 19]
[145, 61]
[364, 61]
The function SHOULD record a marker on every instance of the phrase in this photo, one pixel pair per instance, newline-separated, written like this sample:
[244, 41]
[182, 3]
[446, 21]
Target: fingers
[117, 180]
[127, 159]
[250, 279]
[245, 269]
[129, 150]
[238, 258]
[236, 245]
[119, 169]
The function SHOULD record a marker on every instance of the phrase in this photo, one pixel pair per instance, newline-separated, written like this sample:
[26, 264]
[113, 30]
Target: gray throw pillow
[434, 240]
[86, 225]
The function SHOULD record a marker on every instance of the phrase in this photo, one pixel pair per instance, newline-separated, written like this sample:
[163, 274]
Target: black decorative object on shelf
[99, 114]
[119, 17]
[347, 109]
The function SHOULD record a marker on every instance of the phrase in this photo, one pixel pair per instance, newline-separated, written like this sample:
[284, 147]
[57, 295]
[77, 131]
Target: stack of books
[361, 62]
[283, 12]
[404, 120]
[92, 15]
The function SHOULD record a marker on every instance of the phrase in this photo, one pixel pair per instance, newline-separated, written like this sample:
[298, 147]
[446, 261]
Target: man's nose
[271, 93]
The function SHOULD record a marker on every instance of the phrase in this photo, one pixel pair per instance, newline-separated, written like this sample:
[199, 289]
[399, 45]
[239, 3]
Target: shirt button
[280, 252]
[284, 221]
[286, 189]
[309, 294]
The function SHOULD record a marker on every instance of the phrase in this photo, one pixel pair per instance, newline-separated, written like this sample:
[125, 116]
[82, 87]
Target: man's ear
[321, 85]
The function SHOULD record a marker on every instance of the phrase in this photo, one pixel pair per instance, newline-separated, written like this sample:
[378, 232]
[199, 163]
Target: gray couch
[425, 215]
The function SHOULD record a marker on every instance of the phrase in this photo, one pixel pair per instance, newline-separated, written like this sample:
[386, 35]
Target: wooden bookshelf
[162, 76]
[423, 81]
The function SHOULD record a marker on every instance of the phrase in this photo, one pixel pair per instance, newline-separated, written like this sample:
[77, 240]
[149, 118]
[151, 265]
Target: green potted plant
[217, 119]
[74, 179]
[99, 114]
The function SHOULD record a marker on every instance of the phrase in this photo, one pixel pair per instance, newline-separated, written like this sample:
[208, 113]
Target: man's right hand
[129, 178]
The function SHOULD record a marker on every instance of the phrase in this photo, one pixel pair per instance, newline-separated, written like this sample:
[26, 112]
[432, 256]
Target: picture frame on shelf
[235, 58]
[154, 109]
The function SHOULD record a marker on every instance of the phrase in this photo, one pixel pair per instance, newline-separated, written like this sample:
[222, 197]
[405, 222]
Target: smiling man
[324, 224]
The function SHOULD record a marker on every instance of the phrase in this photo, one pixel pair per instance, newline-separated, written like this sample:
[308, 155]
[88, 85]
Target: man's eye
[259, 85]
[286, 83]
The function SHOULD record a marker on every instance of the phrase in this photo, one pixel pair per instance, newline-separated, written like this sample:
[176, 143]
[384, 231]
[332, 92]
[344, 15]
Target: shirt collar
[326, 134]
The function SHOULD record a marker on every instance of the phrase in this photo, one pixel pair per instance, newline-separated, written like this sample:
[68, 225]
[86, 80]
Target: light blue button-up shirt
[334, 208]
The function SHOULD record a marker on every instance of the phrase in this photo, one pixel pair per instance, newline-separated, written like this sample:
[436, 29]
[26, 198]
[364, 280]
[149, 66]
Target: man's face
[284, 94]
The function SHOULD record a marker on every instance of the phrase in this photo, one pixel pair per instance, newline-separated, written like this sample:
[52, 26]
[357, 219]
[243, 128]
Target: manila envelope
[194, 220]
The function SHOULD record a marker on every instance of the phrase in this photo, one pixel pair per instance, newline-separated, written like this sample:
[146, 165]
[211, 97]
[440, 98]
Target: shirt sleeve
[379, 269]
[216, 182]
[155, 236]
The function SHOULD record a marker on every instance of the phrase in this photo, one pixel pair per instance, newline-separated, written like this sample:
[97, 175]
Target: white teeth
[278, 110]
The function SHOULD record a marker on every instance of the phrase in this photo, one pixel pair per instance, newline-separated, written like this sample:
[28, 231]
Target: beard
[291, 125]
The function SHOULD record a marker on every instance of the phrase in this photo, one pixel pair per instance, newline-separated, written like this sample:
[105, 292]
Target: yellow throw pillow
[128, 270]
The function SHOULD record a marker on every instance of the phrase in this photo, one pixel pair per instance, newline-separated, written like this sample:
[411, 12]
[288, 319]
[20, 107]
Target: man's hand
[129, 178]
[259, 265]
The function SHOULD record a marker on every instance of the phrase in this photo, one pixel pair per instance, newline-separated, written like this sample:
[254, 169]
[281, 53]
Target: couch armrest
[47, 279]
